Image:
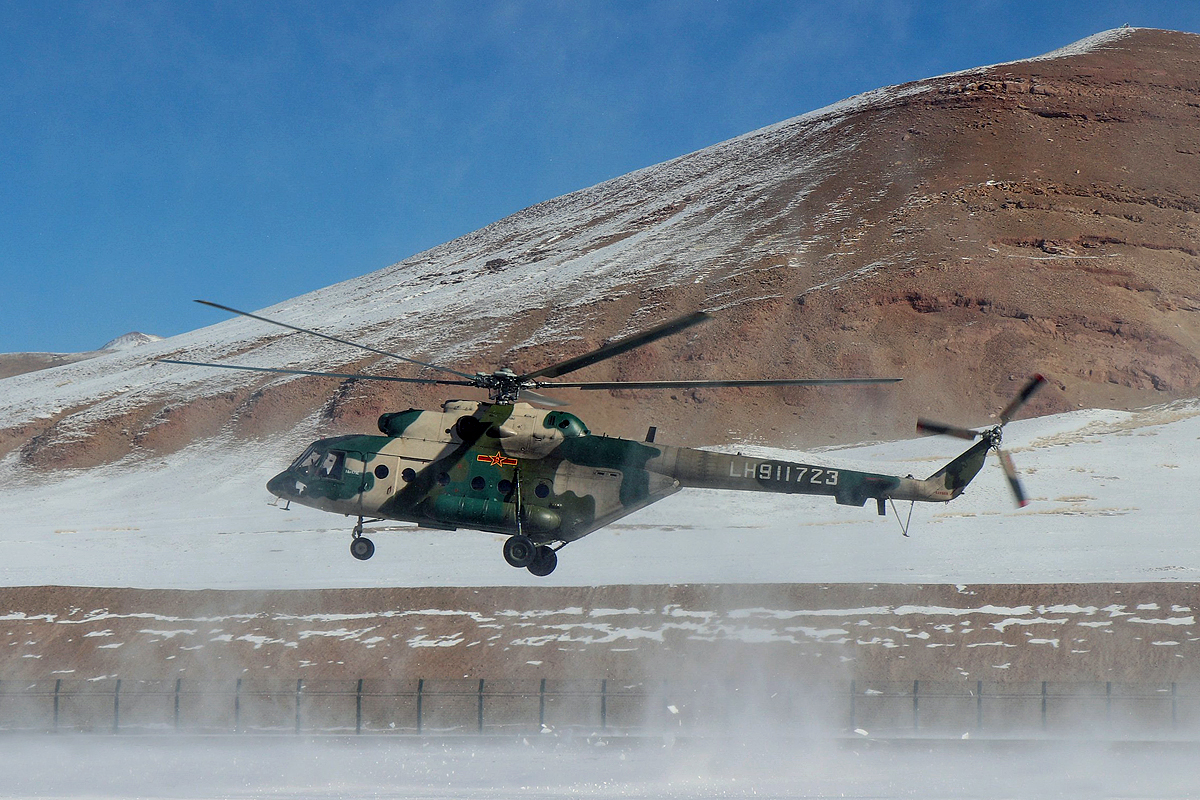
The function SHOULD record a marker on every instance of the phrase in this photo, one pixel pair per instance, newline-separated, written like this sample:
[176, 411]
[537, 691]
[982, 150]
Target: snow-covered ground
[283, 768]
[1113, 499]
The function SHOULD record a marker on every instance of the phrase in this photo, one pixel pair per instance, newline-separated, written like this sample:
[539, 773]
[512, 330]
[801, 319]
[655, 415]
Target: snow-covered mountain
[131, 340]
[960, 232]
[20, 363]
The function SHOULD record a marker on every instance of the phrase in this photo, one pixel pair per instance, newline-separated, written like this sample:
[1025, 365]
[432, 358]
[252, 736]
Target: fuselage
[509, 468]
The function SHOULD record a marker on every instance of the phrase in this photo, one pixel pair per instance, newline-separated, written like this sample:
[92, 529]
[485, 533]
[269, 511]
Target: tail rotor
[932, 428]
[1021, 399]
[992, 435]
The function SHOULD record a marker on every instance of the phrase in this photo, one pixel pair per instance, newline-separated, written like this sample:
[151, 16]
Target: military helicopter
[541, 478]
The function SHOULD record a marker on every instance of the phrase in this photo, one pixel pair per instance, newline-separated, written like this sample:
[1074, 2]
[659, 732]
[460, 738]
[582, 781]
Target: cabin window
[408, 474]
[542, 490]
[478, 483]
[381, 471]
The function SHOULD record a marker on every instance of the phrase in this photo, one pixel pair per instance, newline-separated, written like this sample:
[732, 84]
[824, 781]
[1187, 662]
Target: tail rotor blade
[1010, 472]
[1021, 399]
[940, 428]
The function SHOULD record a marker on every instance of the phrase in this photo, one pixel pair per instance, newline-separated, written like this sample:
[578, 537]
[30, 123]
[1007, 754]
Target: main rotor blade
[713, 384]
[1010, 411]
[335, 339]
[935, 428]
[619, 346]
[540, 399]
[319, 374]
[1010, 472]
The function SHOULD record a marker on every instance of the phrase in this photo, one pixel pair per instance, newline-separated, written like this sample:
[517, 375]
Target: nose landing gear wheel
[519, 551]
[362, 548]
[544, 561]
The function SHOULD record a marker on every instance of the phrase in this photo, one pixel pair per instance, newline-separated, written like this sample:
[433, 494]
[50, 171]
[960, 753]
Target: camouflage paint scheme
[478, 465]
[542, 478]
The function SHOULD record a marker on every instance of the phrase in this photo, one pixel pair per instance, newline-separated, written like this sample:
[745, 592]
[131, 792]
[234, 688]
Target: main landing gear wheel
[544, 561]
[519, 551]
[362, 548]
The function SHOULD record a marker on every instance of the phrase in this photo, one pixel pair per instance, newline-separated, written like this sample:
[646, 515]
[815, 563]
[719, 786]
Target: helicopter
[539, 477]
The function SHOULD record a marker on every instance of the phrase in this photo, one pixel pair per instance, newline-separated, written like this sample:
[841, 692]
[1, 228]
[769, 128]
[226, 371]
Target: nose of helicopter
[282, 485]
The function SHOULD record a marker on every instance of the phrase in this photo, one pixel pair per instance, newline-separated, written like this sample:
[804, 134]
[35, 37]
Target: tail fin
[958, 473]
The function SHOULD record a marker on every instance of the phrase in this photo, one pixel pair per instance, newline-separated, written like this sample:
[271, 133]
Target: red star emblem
[498, 460]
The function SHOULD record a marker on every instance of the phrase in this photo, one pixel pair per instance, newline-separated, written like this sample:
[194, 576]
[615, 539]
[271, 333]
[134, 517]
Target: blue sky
[248, 152]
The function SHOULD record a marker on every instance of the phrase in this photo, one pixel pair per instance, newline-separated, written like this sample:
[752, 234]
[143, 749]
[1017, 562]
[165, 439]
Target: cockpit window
[306, 464]
[331, 465]
[316, 464]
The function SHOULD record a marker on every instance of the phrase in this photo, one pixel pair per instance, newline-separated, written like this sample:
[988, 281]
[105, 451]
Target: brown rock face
[1141, 632]
[962, 232]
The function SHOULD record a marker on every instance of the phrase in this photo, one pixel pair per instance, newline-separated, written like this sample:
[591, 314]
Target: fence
[507, 707]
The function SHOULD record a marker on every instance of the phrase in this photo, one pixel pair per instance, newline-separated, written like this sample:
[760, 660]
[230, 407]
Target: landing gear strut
[361, 547]
[520, 551]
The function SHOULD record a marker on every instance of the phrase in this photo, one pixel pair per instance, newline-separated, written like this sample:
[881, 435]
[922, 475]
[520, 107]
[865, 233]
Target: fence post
[604, 703]
[178, 684]
[853, 700]
[1108, 701]
[979, 705]
[420, 699]
[1174, 706]
[237, 706]
[299, 689]
[481, 705]
[117, 706]
[916, 705]
[542, 705]
[57, 690]
[1043, 705]
[358, 708]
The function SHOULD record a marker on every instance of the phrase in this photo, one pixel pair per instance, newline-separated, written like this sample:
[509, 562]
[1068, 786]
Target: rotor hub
[993, 436]
[503, 385]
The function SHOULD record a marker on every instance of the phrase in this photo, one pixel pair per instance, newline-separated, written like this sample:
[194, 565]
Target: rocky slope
[878, 632]
[960, 232]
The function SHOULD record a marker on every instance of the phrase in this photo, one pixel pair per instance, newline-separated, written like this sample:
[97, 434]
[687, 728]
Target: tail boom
[708, 470]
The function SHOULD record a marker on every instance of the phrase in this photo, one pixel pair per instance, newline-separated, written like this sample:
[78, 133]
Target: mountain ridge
[20, 363]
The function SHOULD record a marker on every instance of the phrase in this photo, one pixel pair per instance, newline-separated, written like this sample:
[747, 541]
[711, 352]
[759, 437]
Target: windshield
[317, 464]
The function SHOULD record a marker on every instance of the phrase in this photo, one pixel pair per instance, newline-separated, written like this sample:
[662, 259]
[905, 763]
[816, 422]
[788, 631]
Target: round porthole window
[542, 490]
[504, 486]
[407, 474]
[381, 471]
[443, 479]
[478, 483]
